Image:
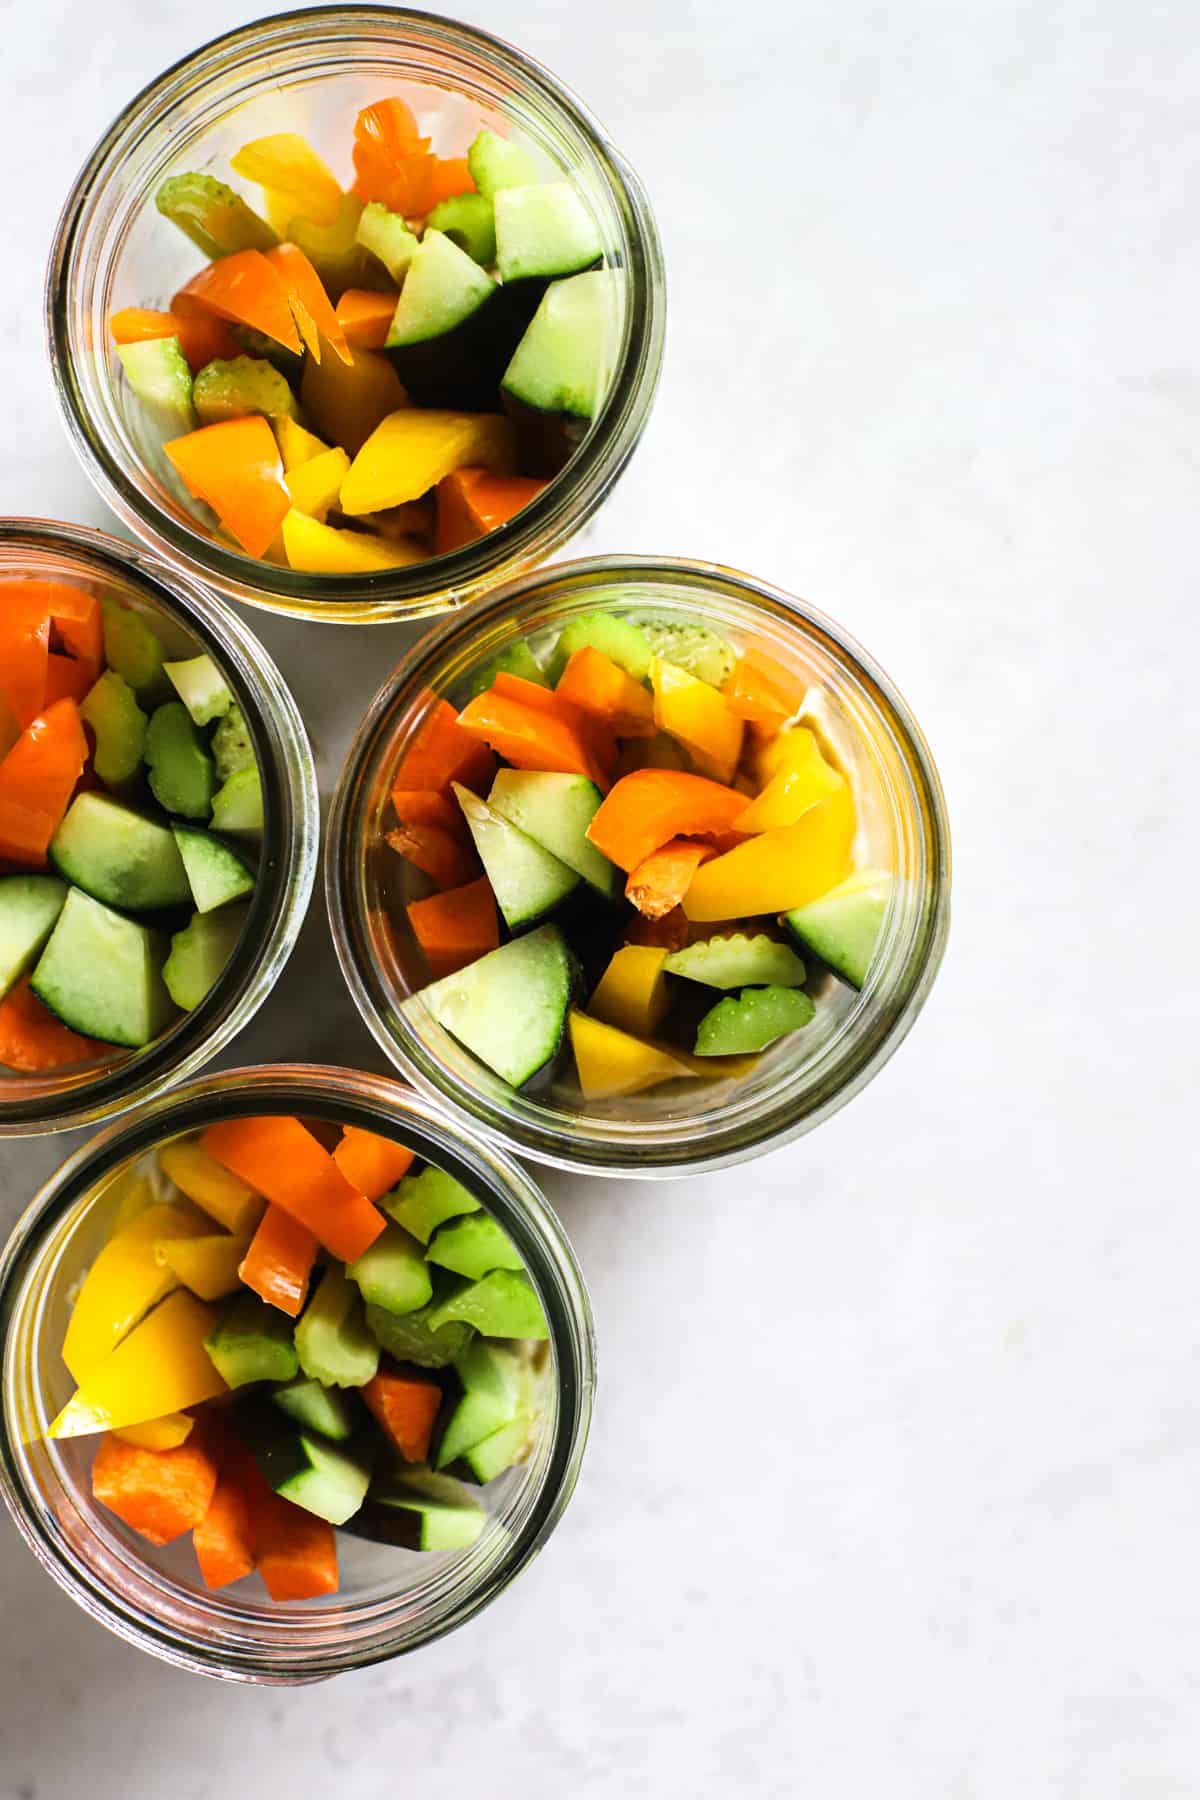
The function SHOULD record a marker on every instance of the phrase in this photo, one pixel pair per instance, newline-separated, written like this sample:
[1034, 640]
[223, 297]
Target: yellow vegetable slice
[315, 485]
[206, 1181]
[121, 1286]
[699, 718]
[415, 448]
[803, 779]
[612, 1062]
[632, 993]
[779, 869]
[296, 445]
[297, 180]
[166, 1433]
[161, 1367]
[321, 550]
[206, 1265]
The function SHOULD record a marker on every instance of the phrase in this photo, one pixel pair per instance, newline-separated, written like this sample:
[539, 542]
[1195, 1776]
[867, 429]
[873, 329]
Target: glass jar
[188, 621]
[312, 71]
[801, 1079]
[390, 1601]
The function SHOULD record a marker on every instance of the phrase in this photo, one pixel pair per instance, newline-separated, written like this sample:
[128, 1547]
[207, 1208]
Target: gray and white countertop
[894, 1486]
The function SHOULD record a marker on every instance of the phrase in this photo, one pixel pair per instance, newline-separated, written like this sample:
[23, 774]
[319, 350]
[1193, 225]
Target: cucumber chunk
[737, 961]
[527, 880]
[447, 339]
[393, 1273]
[200, 952]
[327, 1479]
[468, 220]
[101, 974]
[238, 806]
[510, 1007]
[694, 648]
[563, 364]
[241, 387]
[216, 874]
[442, 288]
[252, 1341]
[421, 1203]
[29, 909]
[490, 1459]
[119, 856]
[317, 1408]
[419, 1510]
[333, 1341]
[133, 651]
[182, 776]
[843, 926]
[503, 1304]
[544, 229]
[213, 215]
[388, 238]
[158, 373]
[473, 1247]
[232, 746]
[119, 726]
[555, 811]
[491, 1377]
[619, 639]
[743, 1023]
[517, 659]
[410, 1337]
[496, 162]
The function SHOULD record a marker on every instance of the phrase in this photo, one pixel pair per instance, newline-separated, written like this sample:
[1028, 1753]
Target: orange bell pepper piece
[37, 779]
[597, 736]
[604, 690]
[387, 142]
[66, 679]
[451, 175]
[246, 289]
[761, 690]
[24, 648]
[279, 1261]
[471, 502]
[311, 307]
[456, 928]
[32, 1039]
[278, 1157]
[202, 336]
[436, 852]
[531, 737]
[236, 467]
[657, 886]
[365, 318]
[371, 1164]
[77, 621]
[421, 806]
[649, 807]
[441, 752]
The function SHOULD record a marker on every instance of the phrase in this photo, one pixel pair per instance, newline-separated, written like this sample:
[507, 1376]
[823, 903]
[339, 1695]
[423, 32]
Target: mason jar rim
[375, 1103]
[289, 850]
[386, 596]
[614, 1148]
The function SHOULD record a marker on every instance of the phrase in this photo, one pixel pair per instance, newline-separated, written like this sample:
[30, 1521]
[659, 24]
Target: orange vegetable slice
[441, 752]
[387, 142]
[279, 1261]
[531, 736]
[433, 850]
[406, 1404]
[277, 1156]
[420, 806]
[451, 175]
[649, 807]
[364, 318]
[37, 779]
[236, 468]
[246, 289]
[456, 928]
[315, 317]
[33, 1040]
[657, 886]
[371, 1164]
[24, 648]
[224, 1538]
[160, 1494]
[202, 336]
[593, 682]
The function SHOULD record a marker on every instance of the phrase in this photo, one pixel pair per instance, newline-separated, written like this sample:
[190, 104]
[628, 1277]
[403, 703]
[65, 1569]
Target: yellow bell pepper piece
[121, 1286]
[347, 401]
[611, 1062]
[803, 779]
[206, 1181]
[206, 1265]
[296, 446]
[699, 718]
[320, 550]
[315, 485]
[779, 869]
[632, 993]
[166, 1433]
[412, 450]
[161, 1367]
[297, 180]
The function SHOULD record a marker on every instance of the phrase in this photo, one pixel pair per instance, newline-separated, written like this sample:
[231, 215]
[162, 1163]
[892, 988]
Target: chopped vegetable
[455, 928]
[371, 1164]
[37, 778]
[658, 885]
[235, 467]
[779, 869]
[279, 1158]
[647, 809]
[279, 1261]
[406, 1406]
[160, 1494]
[32, 1040]
[124, 1282]
[611, 1062]
[632, 993]
[161, 1366]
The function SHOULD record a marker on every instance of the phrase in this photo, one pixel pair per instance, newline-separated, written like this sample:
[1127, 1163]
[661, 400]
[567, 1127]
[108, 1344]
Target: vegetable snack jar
[353, 311]
[158, 826]
[642, 865]
[297, 1374]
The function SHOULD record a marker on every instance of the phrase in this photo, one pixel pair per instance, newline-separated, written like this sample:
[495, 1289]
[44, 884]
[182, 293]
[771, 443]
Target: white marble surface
[893, 1484]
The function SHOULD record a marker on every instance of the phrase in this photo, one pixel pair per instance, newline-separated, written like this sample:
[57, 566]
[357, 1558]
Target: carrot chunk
[371, 1164]
[37, 779]
[279, 1261]
[455, 928]
[445, 859]
[32, 1039]
[295, 1552]
[160, 1494]
[224, 1538]
[406, 1403]
[421, 806]
[278, 1157]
